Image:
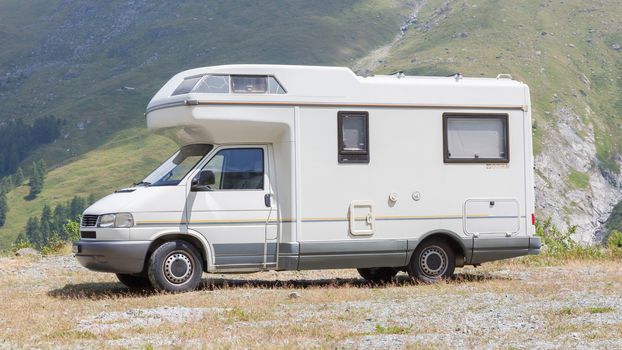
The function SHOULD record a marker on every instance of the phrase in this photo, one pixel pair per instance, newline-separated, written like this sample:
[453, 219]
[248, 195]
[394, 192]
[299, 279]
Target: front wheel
[378, 274]
[175, 266]
[432, 261]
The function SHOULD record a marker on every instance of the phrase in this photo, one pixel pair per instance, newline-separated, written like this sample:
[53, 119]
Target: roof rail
[504, 76]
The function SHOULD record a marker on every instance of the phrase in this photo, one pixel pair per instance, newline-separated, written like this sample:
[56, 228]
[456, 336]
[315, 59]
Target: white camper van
[297, 167]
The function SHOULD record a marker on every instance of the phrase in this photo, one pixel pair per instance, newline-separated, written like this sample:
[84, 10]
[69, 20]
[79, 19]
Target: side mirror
[203, 180]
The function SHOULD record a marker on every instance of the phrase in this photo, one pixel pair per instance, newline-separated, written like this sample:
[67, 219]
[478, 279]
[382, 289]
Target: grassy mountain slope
[548, 44]
[74, 58]
[97, 64]
[126, 158]
[566, 52]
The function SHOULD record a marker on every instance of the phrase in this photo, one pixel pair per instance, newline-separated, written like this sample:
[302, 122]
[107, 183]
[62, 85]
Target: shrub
[58, 245]
[71, 230]
[20, 242]
[54, 246]
[559, 244]
[615, 240]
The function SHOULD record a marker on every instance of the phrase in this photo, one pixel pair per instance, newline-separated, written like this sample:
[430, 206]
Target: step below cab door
[231, 207]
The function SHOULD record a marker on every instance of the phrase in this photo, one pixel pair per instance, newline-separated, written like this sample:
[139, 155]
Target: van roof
[319, 84]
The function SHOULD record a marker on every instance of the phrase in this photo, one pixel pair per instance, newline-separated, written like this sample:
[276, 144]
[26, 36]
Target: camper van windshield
[174, 169]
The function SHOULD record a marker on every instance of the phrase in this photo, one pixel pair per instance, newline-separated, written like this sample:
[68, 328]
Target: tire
[134, 281]
[175, 266]
[378, 274]
[432, 261]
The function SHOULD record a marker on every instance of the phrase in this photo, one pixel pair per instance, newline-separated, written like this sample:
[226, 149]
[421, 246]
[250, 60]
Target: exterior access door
[233, 212]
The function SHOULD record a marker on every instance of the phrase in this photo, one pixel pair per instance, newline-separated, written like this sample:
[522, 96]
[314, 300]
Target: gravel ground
[52, 302]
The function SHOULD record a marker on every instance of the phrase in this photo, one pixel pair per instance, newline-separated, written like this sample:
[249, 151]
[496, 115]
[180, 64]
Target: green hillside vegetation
[578, 180]
[563, 50]
[126, 158]
[18, 140]
[97, 64]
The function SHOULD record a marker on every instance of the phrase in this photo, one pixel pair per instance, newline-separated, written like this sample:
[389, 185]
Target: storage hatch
[494, 215]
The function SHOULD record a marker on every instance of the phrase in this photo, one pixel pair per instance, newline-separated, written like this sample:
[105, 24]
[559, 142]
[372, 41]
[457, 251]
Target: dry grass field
[52, 302]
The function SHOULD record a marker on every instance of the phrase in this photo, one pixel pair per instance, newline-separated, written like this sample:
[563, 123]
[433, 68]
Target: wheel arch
[461, 246]
[194, 238]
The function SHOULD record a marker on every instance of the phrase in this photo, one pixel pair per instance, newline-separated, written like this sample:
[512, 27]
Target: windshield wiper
[142, 183]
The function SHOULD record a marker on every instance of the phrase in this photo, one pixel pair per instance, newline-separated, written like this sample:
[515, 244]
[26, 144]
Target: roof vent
[398, 74]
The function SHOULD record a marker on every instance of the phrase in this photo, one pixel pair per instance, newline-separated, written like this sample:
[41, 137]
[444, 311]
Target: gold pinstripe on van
[334, 219]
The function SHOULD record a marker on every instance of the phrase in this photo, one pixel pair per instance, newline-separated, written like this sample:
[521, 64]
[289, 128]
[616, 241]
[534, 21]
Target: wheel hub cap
[177, 268]
[433, 261]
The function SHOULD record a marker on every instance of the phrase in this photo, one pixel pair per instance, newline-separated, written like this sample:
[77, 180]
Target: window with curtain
[471, 138]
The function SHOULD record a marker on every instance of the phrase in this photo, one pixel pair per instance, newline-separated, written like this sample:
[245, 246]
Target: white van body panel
[323, 213]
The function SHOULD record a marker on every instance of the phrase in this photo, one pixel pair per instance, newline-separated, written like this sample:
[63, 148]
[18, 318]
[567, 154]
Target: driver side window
[237, 169]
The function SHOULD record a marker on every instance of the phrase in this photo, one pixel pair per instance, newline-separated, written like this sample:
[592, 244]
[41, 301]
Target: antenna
[457, 76]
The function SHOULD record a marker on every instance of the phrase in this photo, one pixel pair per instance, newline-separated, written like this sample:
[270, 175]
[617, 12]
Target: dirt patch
[139, 318]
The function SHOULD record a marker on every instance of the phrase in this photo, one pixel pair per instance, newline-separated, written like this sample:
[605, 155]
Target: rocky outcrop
[572, 188]
[27, 252]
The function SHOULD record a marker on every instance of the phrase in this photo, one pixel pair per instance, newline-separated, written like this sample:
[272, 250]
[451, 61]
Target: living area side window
[235, 169]
[475, 138]
[353, 137]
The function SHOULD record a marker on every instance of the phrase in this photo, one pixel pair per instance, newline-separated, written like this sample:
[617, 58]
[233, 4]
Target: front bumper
[112, 256]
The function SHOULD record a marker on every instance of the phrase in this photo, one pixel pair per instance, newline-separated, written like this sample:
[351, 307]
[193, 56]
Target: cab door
[233, 211]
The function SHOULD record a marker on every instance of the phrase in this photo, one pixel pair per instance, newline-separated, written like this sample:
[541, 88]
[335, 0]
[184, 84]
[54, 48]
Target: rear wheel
[134, 281]
[433, 260]
[378, 274]
[175, 266]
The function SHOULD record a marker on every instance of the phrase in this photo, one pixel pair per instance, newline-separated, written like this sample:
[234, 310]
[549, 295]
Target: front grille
[89, 220]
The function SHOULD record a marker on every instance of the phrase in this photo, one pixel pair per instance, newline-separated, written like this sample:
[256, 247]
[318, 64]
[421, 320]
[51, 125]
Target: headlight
[124, 220]
[120, 220]
[106, 220]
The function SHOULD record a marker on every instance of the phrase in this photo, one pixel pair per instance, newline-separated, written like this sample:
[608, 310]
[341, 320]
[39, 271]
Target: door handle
[266, 200]
[369, 219]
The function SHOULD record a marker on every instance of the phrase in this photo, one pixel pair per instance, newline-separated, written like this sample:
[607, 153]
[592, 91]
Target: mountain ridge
[96, 65]
[564, 50]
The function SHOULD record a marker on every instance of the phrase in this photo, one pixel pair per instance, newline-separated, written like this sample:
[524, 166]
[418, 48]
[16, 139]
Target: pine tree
[53, 228]
[45, 225]
[92, 199]
[3, 208]
[18, 140]
[60, 217]
[76, 208]
[6, 185]
[18, 177]
[36, 181]
[42, 167]
[33, 235]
